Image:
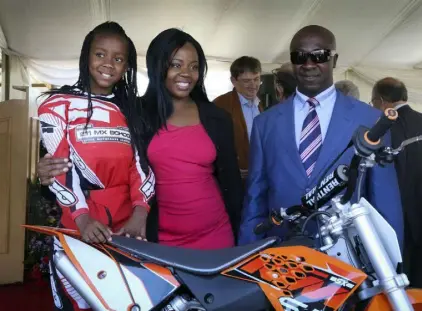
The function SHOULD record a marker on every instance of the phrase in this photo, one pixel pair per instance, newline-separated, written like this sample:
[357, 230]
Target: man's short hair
[245, 64]
[348, 88]
[391, 90]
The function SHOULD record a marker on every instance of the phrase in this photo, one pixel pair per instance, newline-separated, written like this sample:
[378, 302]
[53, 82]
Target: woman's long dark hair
[125, 90]
[157, 103]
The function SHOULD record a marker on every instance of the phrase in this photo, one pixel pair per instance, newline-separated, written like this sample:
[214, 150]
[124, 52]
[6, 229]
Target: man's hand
[49, 167]
[135, 227]
[92, 230]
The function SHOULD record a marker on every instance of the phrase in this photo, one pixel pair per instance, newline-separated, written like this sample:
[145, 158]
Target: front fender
[380, 302]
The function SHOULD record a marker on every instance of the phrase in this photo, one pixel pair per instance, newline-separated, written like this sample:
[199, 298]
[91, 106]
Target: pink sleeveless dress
[192, 213]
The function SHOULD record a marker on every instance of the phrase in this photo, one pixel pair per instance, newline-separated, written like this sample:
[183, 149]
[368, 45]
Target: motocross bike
[356, 266]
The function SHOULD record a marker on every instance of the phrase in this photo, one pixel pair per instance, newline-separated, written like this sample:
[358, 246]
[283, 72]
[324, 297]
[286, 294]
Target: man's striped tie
[310, 138]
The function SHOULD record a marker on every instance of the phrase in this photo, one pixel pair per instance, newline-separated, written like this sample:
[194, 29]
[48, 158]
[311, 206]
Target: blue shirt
[250, 111]
[324, 110]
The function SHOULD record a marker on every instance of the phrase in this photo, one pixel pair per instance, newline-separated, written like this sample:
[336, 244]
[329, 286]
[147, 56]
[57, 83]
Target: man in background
[348, 88]
[243, 104]
[392, 93]
[285, 82]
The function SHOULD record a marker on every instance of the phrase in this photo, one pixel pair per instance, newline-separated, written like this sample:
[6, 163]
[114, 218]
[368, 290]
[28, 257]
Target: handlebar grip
[263, 227]
[274, 220]
[294, 210]
[382, 126]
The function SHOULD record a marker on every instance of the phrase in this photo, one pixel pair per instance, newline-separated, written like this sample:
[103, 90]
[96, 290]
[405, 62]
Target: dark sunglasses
[317, 56]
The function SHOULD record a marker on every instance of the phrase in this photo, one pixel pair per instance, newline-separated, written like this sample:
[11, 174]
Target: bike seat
[200, 262]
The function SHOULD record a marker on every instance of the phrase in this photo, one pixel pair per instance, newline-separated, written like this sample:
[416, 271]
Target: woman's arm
[49, 167]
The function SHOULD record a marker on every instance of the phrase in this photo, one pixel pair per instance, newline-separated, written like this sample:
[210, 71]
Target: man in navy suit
[293, 144]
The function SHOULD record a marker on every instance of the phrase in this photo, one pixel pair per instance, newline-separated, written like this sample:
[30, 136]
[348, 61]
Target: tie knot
[312, 102]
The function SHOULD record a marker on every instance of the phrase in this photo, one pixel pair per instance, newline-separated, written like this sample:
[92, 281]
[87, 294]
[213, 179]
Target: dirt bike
[356, 265]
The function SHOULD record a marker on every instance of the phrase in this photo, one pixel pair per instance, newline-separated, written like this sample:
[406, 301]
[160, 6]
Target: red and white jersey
[101, 154]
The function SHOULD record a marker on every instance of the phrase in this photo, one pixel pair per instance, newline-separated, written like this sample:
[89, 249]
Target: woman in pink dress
[190, 148]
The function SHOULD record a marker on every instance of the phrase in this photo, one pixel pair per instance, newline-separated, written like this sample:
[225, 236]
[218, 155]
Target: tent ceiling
[377, 33]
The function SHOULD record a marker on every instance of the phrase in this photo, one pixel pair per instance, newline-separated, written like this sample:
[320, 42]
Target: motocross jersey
[106, 179]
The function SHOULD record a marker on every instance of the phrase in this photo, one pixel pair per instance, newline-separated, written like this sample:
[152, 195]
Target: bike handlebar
[366, 143]
[382, 126]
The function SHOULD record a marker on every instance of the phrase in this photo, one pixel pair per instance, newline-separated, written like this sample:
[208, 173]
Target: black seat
[201, 262]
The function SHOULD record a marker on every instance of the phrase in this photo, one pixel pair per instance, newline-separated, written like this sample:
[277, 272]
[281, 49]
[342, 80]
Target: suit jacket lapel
[339, 133]
[286, 132]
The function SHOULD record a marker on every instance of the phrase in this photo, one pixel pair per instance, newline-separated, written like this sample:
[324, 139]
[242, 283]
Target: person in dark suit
[284, 83]
[348, 88]
[392, 93]
[292, 144]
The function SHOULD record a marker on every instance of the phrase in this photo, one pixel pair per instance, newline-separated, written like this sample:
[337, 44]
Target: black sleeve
[232, 178]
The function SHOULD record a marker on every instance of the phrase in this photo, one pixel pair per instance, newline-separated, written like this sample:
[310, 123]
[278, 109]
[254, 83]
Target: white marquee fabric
[375, 38]
[3, 43]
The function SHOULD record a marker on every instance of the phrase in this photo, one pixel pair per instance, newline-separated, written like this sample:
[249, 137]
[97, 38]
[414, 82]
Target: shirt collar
[321, 97]
[245, 101]
[94, 95]
[400, 105]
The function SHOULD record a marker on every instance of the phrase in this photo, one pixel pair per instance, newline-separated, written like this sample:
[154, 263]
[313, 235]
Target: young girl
[107, 189]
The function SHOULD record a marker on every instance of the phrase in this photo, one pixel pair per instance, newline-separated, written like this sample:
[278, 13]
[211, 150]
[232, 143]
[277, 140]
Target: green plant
[41, 211]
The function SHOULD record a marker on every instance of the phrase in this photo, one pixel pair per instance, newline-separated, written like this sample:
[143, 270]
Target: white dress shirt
[324, 110]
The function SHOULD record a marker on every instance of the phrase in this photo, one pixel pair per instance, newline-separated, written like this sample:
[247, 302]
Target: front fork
[391, 283]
